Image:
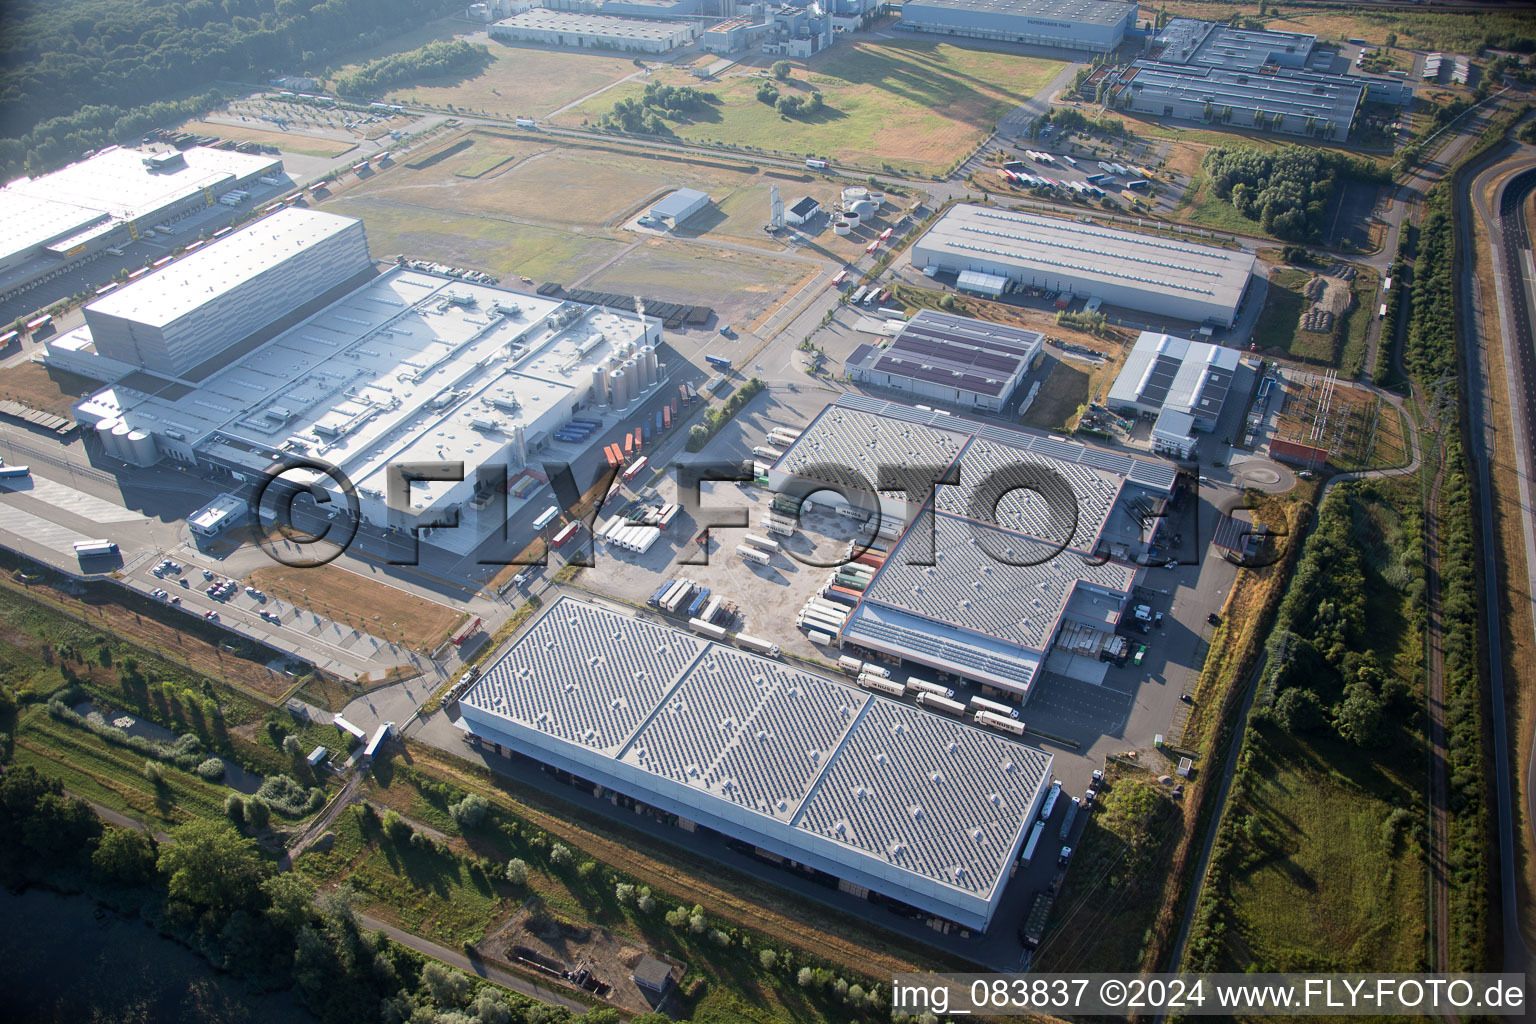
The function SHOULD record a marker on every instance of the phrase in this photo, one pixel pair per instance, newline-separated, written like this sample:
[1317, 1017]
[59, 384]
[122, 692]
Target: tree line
[438, 58]
[1287, 191]
[75, 69]
[647, 113]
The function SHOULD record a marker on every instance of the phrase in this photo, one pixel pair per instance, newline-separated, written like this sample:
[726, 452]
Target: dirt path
[1434, 696]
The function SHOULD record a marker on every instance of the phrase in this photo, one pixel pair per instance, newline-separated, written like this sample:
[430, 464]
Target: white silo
[878, 198]
[647, 363]
[853, 194]
[863, 209]
[119, 448]
[618, 389]
[599, 386]
[140, 449]
[104, 435]
[842, 227]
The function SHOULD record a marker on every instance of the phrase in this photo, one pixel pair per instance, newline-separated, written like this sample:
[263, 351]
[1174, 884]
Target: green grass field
[113, 776]
[1326, 883]
[913, 105]
[519, 81]
[474, 240]
[1367, 290]
[1279, 327]
[436, 896]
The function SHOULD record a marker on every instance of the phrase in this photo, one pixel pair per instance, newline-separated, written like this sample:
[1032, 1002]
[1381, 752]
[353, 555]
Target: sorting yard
[912, 105]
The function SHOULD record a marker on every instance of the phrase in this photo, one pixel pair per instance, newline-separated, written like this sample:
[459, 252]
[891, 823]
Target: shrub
[768, 958]
[234, 808]
[286, 796]
[805, 977]
[517, 871]
[211, 769]
[781, 70]
[154, 773]
[719, 938]
[644, 901]
[625, 894]
[257, 814]
[470, 813]
[560, 855]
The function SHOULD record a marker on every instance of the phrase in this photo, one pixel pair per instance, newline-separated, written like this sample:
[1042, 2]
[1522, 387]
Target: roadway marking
[86, 506]
[34, 528]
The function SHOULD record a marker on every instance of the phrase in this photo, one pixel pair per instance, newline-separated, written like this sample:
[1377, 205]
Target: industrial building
[1184, 280]
[52, 222]
[1035, 551]
[1209, 44]
[1180, 384]
[1093, 26]
[676, 208]
[1283, 100]
[593, 31]
[893, 802]
[193, 310]
[951, 359]
[384, 368]
[802, 212]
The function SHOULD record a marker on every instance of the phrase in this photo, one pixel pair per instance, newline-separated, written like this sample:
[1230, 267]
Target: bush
[211, 769]
[470, 813]
[234, 808]
[289, 798]
[257, 814]
[154, 773]
[397, 828]
[782, 69]
[624, 893]
[644, 901]
[517, 871]
[768, 959]
[560, 855]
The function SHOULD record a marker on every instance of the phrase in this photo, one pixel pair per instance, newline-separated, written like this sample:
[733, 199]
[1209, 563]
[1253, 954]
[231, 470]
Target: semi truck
[749, 554]
[1030, 845]
[758, 645]
[1050, 801]
[89, 548]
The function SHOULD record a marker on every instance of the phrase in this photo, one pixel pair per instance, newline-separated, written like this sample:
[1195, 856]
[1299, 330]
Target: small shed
[317, 756]
[679, 206]
[652, 975]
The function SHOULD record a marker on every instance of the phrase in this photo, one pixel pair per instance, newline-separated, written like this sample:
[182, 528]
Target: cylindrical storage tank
[634, 380]
[842, 227]
[618, 392]
[599, 386]
[863, 209]
[120, 434]
[851, 219]
[647, 363]
[853, 193]
[878, 198]
[104, 435]
[141, 449]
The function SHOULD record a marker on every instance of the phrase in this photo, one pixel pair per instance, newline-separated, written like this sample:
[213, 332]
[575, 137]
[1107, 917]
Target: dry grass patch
[293, 142]
[49, 390]
[361, 603]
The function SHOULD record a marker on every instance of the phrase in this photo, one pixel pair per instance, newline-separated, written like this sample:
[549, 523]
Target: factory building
[676, 208]
[884, 800]
[1281, 100]
[1184, 280]
[192, 311]
[593, 31]
[1208, 44]
[629, 8]
[803, 212]
[1092, 26]
[1026, 563]
[54, 221]
[952, 359]
[403, 366]
[1182, 385]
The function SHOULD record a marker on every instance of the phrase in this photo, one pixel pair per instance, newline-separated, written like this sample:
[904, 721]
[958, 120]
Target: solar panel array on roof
[926, 809]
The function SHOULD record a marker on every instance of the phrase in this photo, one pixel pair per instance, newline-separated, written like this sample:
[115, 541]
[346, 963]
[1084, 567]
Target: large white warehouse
[884, 797]
[52, 221]
[593, 31]
[952, 359]
[402, 367]
[1201, 284]
[191, 311]
[1095, 26]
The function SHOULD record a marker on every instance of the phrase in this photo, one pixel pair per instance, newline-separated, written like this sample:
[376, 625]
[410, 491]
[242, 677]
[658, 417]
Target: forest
[79, 74]
[1288, 190]
[439, 58]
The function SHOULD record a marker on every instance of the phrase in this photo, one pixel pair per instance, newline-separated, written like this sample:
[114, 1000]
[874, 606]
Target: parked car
[1213, 619]
[1141, 652]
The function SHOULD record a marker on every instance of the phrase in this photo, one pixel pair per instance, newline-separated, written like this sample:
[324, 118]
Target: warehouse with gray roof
[1035, 549]
[593, 31]
[1093, 26]
[886, 798]
[1198, 283]
[948, 358]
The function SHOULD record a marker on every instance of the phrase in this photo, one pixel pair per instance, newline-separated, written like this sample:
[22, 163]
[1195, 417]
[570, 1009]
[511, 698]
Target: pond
[235, 777]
